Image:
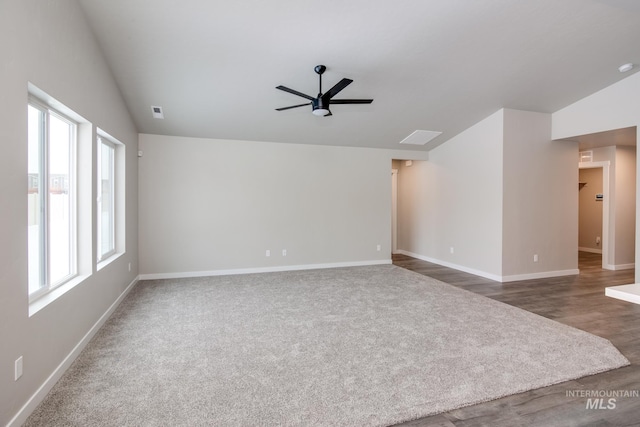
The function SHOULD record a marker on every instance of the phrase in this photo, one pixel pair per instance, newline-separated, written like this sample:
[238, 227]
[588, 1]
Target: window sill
[102, 264]
[46, 299]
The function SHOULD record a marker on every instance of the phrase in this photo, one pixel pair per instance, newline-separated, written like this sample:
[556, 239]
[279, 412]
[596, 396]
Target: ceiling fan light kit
[320, 104]
[320, 112]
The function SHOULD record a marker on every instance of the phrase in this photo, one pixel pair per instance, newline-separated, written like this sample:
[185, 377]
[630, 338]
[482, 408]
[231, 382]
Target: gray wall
[625, 207]
[454, 200]
[216, 206]
[540, 202]
[499, 193]
[49, 44]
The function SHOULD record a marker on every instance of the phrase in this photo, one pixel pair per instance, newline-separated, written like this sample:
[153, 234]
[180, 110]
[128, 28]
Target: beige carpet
[362, 346]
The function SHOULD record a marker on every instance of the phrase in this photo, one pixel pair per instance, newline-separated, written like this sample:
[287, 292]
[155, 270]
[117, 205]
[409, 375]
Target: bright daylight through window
[51, 199]
[106, 198]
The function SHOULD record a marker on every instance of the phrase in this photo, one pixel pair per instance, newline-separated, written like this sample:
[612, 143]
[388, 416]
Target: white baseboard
[497, 278]
[630, 266]
[186, 274]
[623, 266]
[46, 387]
[591, 250]
[473, 271]
[540, 275]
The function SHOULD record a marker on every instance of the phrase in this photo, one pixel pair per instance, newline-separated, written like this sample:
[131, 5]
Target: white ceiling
[438, 65]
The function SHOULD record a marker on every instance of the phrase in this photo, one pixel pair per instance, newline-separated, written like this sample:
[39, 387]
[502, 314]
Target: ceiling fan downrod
[320, 69]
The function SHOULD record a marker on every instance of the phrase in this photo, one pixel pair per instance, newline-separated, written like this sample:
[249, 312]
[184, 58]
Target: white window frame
[45, 265]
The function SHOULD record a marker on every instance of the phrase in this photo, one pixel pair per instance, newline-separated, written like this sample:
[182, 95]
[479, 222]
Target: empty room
[331, 214]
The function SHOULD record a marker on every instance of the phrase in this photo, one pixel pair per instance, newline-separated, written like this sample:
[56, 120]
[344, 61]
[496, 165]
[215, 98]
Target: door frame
[608, 240]
[394, 211]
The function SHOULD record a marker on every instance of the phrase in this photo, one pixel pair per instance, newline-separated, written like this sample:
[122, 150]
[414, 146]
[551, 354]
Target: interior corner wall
[625, 207]
[615, 107]
[50, 45]
[454, 202]
[540, 208]
[212, 206]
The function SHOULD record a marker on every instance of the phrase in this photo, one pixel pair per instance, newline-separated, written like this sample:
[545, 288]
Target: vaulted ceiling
[438, 65]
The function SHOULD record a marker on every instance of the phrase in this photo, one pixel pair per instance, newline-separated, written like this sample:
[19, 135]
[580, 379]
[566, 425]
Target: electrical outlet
[18, 368]
[129, 266]
[284, 252]
[535, 257]
[378, 247]
[451, 249]
[267, 253]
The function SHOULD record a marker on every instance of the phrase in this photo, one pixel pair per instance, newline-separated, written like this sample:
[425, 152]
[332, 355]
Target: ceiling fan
[320, 104]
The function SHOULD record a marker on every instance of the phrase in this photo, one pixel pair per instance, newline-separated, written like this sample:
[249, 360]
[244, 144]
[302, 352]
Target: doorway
[615, 152]
[591, 221]
[593, 210]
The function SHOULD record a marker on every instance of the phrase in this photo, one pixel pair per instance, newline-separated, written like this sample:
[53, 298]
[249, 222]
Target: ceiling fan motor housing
[319, 108]
[319, 103]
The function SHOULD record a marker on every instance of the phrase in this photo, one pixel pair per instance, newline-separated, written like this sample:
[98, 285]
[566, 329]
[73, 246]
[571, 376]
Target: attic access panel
[420, 137]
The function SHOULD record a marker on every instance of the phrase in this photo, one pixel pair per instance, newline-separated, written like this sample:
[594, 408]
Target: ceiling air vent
[157, 112]
[420, 137]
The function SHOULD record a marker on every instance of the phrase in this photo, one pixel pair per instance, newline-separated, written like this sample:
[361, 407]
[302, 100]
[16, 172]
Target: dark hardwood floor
[578, 301]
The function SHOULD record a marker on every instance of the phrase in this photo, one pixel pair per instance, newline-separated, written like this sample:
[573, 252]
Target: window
[106, 198]
[52, 141]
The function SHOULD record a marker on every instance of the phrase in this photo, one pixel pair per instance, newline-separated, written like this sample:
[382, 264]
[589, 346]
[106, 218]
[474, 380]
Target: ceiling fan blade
[337, 88]
[293, 106]
[351, 101]
[295, 92]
